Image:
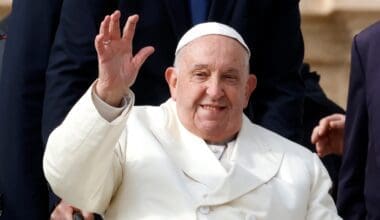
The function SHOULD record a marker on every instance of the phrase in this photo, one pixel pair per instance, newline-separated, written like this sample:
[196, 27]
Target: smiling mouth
[213, 107]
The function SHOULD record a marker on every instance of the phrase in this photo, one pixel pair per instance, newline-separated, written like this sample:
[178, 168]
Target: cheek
[245, 101]
[192, 92]
[245, 98]
[185, 98]
[237, 97]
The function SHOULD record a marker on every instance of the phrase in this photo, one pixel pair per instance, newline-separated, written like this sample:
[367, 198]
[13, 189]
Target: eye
[232, 78]
[200, 75]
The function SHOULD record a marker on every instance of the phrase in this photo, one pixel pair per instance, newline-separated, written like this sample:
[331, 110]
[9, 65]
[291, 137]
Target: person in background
[33, 28]
[358, 195]
[213, 161]
[3, 37]
[356, 135]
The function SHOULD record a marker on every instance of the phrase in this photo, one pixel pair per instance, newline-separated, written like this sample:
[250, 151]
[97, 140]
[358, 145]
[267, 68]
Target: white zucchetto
[209, 28]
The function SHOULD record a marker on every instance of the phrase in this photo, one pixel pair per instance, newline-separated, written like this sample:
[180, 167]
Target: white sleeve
[82, 160]
[109, 112]
[321, 205]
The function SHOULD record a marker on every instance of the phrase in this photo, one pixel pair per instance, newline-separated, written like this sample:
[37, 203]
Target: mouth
[214, 108]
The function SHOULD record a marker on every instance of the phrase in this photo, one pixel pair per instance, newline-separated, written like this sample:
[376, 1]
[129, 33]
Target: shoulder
[365, 48]
[295, 156]
[369, 35]
[153, 115]
[276, 141]
[297, 162]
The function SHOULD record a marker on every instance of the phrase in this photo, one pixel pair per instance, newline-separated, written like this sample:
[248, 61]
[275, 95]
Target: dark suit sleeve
[31, 30]
[277, 103]
[73, 61]
[351, 203]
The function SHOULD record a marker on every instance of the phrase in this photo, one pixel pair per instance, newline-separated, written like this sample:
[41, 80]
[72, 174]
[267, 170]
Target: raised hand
[118, 67]
[328, 135]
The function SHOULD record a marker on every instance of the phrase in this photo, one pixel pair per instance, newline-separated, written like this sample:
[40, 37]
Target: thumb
[142, 55]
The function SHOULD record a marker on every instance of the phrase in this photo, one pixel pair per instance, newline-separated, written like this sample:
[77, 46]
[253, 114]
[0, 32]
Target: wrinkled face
[211, 85]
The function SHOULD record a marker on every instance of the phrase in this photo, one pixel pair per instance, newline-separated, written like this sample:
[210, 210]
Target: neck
[223, 142]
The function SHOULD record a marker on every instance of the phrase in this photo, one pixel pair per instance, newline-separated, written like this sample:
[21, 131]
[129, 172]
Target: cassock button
[204, 210]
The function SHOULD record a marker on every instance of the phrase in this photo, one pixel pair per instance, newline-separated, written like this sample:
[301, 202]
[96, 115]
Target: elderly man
[194, 157]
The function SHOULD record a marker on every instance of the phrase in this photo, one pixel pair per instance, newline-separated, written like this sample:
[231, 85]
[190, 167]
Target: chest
[154, 186]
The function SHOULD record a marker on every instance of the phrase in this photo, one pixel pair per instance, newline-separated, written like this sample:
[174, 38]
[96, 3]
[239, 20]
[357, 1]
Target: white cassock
[145, 165]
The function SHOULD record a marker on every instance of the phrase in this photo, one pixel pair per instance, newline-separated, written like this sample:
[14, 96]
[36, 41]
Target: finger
[337, 124]
[322, 147]
[104, 27]
[114, 27]
[331, 118]
[323, 126]
[99, 45]
[88, 215]
[315, 135]
[62, 211]
[142, 55]
[321, 154]
[334, 117]
[337, 116]
[53, 215]
[66, 210]
[339, 121]
[68, 213]
[129, 29]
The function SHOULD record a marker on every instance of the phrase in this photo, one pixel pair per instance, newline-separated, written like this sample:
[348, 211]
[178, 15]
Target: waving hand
[118, 67]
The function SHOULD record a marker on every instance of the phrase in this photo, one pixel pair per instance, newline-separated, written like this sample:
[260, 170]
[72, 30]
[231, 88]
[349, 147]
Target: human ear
[171, 79]
[250, 86]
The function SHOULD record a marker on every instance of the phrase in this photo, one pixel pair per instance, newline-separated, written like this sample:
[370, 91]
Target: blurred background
[328, 27]
[5, 7]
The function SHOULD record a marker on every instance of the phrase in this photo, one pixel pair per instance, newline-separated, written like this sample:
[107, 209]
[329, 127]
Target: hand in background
[328, 135]
[64, 211]
[118, 67]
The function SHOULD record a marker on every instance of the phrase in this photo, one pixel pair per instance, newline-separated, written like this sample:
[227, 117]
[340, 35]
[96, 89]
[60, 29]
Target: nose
[215, 89]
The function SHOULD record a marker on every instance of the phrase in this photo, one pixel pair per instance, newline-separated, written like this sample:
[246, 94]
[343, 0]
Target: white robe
[146, 165]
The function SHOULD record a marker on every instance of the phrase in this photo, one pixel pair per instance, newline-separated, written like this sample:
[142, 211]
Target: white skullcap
[209, 28]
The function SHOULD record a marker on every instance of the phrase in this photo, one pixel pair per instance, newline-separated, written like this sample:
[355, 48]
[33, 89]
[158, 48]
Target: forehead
[214, 41]
[216, 49]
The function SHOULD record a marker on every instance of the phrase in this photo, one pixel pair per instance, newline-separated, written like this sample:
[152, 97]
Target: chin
[213, 134]
[212, 129]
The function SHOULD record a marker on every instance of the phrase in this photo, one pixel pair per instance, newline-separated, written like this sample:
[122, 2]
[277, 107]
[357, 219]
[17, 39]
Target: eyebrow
[228, 70]
[200, 66]
[231, 70]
